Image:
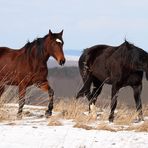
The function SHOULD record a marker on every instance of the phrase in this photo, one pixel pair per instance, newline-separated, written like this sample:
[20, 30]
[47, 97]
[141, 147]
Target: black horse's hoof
[77, 97]
[138, 120]
[48, 114]
[79, 94]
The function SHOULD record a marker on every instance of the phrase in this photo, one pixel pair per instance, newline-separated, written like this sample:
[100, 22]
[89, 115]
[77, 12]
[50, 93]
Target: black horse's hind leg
[85, 90]
[137, 93]
[97, 88]
[22, 91]
[115, 90]
[45, 87]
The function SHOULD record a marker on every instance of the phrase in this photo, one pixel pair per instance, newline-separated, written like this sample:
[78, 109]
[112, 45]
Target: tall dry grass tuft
[6, 112]
[125, 116]
[2, 111]
[73, 109]
[84, 126]
[106, 127]
[54, 122]
[138, 128]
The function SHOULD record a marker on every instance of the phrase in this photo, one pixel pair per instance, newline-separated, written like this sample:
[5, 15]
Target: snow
[71, 58]
[33, 132]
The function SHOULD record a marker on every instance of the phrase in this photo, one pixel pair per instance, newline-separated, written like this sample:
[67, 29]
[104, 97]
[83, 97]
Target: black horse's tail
[85, 74]
[83, 66]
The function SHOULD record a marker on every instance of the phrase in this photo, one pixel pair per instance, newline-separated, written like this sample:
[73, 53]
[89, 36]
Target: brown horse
[28, 66]
[119, 66]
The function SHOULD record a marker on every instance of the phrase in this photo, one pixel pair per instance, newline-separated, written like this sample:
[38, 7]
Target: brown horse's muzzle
[62, 62]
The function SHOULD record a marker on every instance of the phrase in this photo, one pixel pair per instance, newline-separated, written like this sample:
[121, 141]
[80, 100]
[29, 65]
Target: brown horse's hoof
[48, 114]
[111, 119]
[19, 116]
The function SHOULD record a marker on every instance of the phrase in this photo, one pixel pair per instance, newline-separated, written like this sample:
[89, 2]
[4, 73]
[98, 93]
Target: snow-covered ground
[33, 131]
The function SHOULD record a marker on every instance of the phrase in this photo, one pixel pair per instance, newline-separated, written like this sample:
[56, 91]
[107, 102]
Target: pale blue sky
[85, 22]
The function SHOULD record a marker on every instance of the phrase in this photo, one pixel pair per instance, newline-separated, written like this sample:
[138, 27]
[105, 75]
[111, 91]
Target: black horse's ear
[61, 33]
[50, 33]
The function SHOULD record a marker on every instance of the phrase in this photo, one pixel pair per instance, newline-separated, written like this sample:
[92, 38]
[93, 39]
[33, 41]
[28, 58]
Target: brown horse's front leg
[45, 87]
[22, 91]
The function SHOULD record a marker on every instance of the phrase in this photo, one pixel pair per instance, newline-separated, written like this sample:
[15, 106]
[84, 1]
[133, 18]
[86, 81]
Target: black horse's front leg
[137, 93]
[113, 105]
[45, 87]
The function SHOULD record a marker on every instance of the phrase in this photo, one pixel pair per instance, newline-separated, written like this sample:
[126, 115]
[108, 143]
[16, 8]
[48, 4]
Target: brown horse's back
[9, 62]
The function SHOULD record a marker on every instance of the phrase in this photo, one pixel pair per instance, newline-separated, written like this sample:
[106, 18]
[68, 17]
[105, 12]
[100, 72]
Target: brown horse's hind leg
[22, 91]
[137, 92]
[45, 87]
[2, 89]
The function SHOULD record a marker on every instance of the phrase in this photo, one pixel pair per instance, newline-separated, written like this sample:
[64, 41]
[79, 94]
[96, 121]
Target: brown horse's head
[54, 44]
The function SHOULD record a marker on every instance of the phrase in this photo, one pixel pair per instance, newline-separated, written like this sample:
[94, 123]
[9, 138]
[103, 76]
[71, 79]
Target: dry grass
[54, 122]
[77, 111]
[124, 116]
[106, 127]
[139, 128]
[5, 113]
[74, 109]
[84, 126]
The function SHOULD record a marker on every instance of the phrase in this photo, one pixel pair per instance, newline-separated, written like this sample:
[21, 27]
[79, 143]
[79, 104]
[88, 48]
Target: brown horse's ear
[50, 33]
[61, 33]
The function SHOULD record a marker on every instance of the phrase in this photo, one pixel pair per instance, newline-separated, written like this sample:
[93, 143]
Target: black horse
[119, 66]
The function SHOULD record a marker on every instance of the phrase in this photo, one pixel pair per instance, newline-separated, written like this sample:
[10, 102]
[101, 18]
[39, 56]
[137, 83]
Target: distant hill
[53, 63]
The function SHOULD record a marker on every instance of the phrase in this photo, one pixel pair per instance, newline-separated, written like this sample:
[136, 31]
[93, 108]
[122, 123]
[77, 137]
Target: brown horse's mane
[39, 43]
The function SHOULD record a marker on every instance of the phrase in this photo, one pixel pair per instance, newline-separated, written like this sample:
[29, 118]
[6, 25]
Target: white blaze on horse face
[58, 40]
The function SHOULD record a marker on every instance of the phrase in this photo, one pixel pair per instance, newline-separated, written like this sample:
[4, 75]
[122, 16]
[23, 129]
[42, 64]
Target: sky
[85, 22]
